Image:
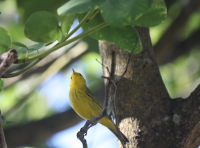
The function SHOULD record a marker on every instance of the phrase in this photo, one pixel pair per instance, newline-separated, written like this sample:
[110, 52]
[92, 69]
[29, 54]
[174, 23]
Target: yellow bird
[86, 105]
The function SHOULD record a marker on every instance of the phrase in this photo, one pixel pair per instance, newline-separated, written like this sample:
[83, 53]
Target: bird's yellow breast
[81, 103]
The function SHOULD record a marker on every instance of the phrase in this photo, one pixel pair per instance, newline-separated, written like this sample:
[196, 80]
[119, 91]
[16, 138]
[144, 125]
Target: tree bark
[147, 115]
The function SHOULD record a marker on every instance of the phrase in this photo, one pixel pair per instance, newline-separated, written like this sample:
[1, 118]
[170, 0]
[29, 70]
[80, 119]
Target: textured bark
[147, 115]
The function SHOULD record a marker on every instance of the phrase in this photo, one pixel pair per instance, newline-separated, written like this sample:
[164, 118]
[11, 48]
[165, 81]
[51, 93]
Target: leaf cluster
[108, 20]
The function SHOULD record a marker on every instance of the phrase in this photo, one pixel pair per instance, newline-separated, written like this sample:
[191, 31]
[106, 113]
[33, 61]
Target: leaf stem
[63, 34]
[45, 53]
[89, 14]
[23, 70]
[94, 14]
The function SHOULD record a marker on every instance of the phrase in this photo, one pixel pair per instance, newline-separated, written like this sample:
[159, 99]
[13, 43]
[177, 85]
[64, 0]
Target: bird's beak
[74, 73]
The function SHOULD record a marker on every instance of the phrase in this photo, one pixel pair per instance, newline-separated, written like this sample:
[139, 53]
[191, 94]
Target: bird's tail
[124, 139]
[110, 125]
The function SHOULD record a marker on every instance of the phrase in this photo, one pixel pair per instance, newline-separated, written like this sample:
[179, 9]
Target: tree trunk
[147, 115]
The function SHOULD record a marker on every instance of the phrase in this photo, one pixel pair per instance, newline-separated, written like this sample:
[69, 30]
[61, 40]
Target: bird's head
[77, 80]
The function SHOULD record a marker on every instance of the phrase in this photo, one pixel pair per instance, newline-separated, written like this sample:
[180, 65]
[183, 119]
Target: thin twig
[105, 67]
[2, 137]
[80, 136]
[83, 131]
[113, 67]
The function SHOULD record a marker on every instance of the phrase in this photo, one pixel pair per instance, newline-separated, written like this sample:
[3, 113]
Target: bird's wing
[93, 97]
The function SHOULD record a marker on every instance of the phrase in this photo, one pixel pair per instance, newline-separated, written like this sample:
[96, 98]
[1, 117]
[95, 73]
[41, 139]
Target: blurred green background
[42, 92]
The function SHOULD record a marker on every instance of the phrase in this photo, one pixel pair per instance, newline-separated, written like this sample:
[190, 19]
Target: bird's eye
[71, 77]
[80, 75]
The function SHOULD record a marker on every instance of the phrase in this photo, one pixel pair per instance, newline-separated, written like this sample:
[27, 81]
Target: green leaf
[32, 6]
[79, 6]
[5, 40]
[31, 48]
[119, 13]
[154, 16]
[19, 44]
[156, 1]
[93, 44]
[42, 27]
[124, 37]
[1, 84]
[67, 23]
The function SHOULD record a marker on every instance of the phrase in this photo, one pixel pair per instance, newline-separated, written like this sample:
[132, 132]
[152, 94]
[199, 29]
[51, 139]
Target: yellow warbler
[86, 105]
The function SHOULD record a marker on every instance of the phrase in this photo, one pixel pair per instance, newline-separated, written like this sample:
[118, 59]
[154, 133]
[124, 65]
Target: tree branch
[189, 126]
[139, 93]
[89, 123]
[183, 47]
[165, 45]
[6, 60]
